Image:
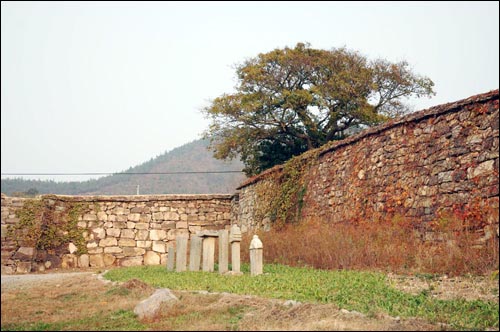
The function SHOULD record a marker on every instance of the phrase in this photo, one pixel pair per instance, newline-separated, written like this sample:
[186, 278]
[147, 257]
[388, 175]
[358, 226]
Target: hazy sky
[102, 86]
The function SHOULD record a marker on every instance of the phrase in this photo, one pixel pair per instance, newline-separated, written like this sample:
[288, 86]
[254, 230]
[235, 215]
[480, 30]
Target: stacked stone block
[12, 251]
[202, 245]
[122, 230]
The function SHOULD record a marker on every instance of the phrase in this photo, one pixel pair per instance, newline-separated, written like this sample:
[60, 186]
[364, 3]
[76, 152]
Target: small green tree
[292, 100]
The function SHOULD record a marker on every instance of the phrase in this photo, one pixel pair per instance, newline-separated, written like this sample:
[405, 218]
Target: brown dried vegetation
[452, 245]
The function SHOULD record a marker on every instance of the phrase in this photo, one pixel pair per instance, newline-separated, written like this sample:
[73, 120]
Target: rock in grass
[291, 303]
[149, 307]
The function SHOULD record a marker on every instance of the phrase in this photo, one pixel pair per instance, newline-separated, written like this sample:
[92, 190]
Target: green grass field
[366, 292]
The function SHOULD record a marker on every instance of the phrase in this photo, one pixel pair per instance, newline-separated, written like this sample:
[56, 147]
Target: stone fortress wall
[415, 167]
[116, 230]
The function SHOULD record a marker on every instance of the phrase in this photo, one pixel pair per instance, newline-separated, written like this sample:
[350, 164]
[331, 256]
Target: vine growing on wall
[27, 230]
[40, 227]
[281, 196]
[60, 230]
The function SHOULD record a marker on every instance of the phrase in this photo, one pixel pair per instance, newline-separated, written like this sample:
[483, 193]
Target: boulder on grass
[149, 307]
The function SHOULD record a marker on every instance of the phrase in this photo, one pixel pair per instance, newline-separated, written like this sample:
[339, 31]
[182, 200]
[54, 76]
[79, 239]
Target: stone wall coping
[413, 117]
[135, 198]
[208, 233]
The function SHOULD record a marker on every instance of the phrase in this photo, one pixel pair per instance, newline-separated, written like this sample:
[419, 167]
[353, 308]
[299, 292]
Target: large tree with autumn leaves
[291, 100]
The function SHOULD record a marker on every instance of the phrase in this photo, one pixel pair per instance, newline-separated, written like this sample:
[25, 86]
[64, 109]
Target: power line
[131, 173]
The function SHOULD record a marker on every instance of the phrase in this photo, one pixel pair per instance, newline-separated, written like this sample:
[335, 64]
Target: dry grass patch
[231, 312]
[74, 299]
[386, 245]
[324, 317]
[446, 288]
[198, 312]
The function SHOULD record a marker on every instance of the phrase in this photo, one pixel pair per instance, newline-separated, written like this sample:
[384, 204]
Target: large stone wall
[444, 159]
[116, 230]
[417, 167]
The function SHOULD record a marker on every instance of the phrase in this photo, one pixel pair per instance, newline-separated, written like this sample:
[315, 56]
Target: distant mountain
[191, 157]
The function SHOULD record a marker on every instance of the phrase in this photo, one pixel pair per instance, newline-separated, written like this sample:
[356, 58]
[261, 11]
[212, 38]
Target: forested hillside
[191, 157]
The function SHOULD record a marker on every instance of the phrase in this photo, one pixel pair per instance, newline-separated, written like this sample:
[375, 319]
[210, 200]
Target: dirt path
[59, 297]
[22, 281]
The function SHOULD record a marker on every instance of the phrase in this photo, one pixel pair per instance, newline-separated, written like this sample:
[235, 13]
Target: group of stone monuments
[202, 245]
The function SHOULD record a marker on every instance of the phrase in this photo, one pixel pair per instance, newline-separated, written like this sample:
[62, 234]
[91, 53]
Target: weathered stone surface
[144, 244]
[136, 210]
[142, 235]
[127, 234]
[23, 267]
[25, 253]
[96, 260]
[99, 233]
[119, 211]
[168, 225]
[102, 216]
[235, 239]
[170, 258]
[151, 258]
[235, 234]
[483, 168]
[113, 250]
[142, 225]
[181, 254]
[181, 225]
[132, 261]
[108, 259]
[171, 216]
[91, 244]
[134, 217]
[195, 253]
[69, 261]
[158, 216]
[108, 242]
[208, 253]
[157, 234]
[256, 259]
[208, 233]
[145, 218]
[120, 223]
[159, 246]
[97, 250]
[223, 251]
[72, 248]
[113, 232]
[89, 217]
[127, 243]
[7, 269]
[171, 234]
[83, 261]
[133, 251]
[235, 257]
[149, 307]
